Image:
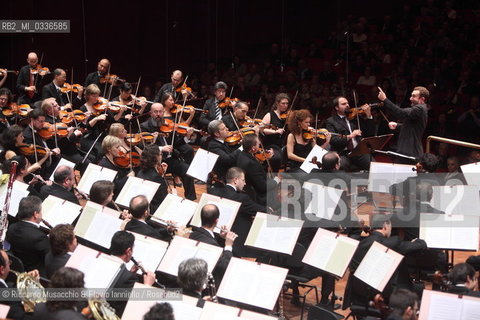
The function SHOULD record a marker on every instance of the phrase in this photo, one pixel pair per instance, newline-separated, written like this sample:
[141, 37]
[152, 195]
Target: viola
[4, 71]
[124, 159]
[69, 116]
[14, 109]
[67, 88]
[48, 131]
[110, 78]
[233, 138]
[180, 128]
[228, 103]
[137, 138]
[39, 69]
[187, 109]
[284, 115]
[261, 155]
[101, 105]
[183, 87]
[30, 149]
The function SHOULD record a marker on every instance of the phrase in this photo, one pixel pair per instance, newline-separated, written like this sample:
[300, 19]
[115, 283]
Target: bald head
[209, 215]
[64, 176]
[103, 66]
[32, 59]
[177, 77]
[139, 207]
[156, 111]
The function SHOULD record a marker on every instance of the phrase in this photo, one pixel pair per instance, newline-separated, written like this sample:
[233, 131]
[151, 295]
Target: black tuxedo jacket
[229, 122]
[205, 118]
[50, 91]
[23, 81]
[125, 280]
[58, 191]
[41, 313]
[227, 157]
[338, 125]
[29, 244]
[139, 227]
[53, 263]
[152, 126]
[167, 88]
[152, 175]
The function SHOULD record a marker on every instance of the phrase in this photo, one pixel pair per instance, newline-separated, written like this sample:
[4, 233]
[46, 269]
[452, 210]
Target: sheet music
[95, 173]
[227, 214]
[228, 211]
[458, 199]
[324, 200]
[378, 266]
[102, 228]
[471, 309]
[383, 175]
[450, 232]
[176, 209]
[261, 289]
[134, 187]
[316, 151]
[63, 162]
[99, 272]
[330, 252]
[185, 311]
[58, 211]
[19, 191]
[4, 309]
[148, 252]
[443, 307]
[202, 164]
[471, 173]
[274, 233]
[437, 305]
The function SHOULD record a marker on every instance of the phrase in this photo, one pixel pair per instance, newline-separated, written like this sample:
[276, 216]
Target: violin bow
[355, 102]
[54, 126]
[138, 121]
[130, 140]
[291, 107]
[178, 118]
[231, 91]
[258, 105]
[235, 122]
[269, 166]
[34, 143]
[106, 83]
[70, 96]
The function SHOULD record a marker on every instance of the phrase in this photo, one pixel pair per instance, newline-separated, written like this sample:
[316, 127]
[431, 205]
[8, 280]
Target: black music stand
[370, 145]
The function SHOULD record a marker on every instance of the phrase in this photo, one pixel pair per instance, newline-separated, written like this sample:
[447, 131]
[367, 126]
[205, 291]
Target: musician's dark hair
[101, 190]
[165, 97]
[65, 277]
[249, 141]
[8, 93]
[378, 220]
[429, 162]
[61, 236]
[214, 126]
[160, 311]
[125, 86]
[138, 205]
[121, 241]
[239, 104]
[36, 113]
[9, 136]
[209, 215]
[336, 100]
[232, 173]
[295, 117]
[28, 206]
[192, 274]
[401, 299]
[330, 160]
[424, 93]
[220, 85]
[58, 72]
[20, 159]
[62, 173]
[460, 272]
[280, 96]
[149, 156]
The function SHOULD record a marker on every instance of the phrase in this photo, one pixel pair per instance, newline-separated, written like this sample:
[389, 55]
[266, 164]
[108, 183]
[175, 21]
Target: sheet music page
[458, 199]
[444, 307]
[175, 254]
[228, 211]
[149, 252]
[316, 151]
[344, 251]
[92, 174]
[322, 252]
[185, 311]
[57, 211]
[209, 253]
[324, 200]
[99, 272]
[471, 309]
[217, 311]
[383, 175]
[202, 164]
[135, 187]
[4, 309]
[471, 172]
[176, 209]
[375, 267]
[62, 162]
[102, 228]
[277, 235]
[19, 191]
[464, 237]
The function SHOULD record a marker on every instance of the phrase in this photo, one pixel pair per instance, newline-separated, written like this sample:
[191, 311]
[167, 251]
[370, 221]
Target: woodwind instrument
[144, 272]
[212, 290]
[6, 206]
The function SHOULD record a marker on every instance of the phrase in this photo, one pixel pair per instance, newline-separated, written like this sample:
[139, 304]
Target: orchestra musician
[273, 138]
[176, 81]
[351, 134]
[6, 98]
[101, 192]
[62, 243]
[227, 156]
[126, 98]
[118, 130]
[52, 90]
[170, 155]
[211, 105]
[29, 81]
[21, 174]
[62, 187]
[239, 113]
[103, 69]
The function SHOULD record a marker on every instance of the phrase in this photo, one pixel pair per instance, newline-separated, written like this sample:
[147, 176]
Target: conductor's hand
[392, 125]
[381, 95]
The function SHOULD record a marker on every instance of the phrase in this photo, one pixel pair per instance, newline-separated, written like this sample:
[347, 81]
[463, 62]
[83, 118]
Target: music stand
[370, 145]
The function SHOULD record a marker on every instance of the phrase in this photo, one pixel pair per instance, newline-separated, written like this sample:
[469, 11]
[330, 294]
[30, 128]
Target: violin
[284, 115]
[355, 112]
[70, 88]
[110, 78]
[4, 71]
[187, 109]
[101, 105]
[137, 138]
[228, 103]
[233, 138]
[247, 130]
[261, 155]
[250, 122]
[48, 131]
[22, 110]
[181, 128]
[124, 159]
[30, 149]
[319, 133]
[39, 69]
[68, 117]
[183, 87]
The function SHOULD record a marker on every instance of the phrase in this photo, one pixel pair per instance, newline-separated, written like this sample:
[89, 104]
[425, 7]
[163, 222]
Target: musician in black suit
[193, 277]
[170, 155]
[414, 122]
[463, 280]
[52, 90]
[16, 307]
[350, 133]
[235, 178]
[240, 110]
[122, 247]
[209, 216]
[28, 242]
[62, 243]
[257, 182]
[211, 105]
[29, 81]
[62, 187]
[140, 210]
[103, 69]
[227, 157]
[404, 304]
[170, 87]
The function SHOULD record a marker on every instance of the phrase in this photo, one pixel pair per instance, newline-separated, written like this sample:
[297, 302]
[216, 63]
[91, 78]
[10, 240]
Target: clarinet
[6, 206]
[212, 291]
[144, 272]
